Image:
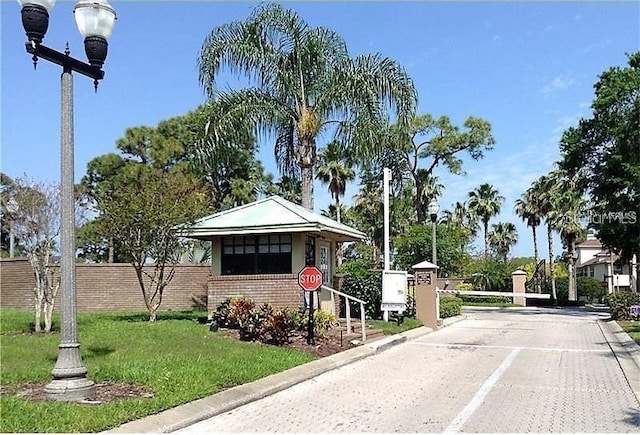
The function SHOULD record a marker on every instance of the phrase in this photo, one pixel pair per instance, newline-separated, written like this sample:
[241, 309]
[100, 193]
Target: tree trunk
[635, 275]
[552, 271]
[485, 223]
[307, 160]
[50, 300]
[573, 292]
[538, 281]
[111, 251]
[420, 209]
[307, 187]
[38, 290]
[338, 244]
[38, 311]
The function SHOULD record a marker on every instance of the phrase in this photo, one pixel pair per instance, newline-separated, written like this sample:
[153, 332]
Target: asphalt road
[506, 371]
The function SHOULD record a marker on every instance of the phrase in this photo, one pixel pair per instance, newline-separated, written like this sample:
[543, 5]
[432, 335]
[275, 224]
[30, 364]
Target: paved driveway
[528, 370]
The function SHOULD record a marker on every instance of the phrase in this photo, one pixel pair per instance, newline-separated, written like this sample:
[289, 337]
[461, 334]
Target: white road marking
[491, 346]
[467, 412]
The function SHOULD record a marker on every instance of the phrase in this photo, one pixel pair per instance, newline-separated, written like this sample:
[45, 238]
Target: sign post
[310, 279]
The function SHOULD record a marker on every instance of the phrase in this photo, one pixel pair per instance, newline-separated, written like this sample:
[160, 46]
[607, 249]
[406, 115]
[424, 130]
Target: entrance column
[519, 279]
[426, 294]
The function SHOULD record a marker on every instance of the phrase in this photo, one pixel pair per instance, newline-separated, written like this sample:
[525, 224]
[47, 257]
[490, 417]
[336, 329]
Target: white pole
[386, 178]
[386, 172]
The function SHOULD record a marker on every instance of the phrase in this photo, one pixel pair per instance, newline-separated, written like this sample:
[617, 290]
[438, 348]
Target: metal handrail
[348, 309]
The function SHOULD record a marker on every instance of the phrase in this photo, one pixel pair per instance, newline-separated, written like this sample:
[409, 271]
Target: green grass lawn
[631, 328]
[392, 327]
[176, 358]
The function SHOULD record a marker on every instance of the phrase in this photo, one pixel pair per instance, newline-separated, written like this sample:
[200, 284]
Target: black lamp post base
[70, 390]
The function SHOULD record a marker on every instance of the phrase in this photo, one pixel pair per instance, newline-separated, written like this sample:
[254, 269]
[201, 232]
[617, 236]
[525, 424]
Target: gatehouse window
[254, 255]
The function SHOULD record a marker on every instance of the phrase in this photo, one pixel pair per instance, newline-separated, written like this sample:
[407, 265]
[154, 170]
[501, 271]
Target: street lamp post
[95, 19]
[434, 208]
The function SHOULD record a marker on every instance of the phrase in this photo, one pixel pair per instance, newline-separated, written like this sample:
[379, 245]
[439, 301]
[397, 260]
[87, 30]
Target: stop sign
[310, 278]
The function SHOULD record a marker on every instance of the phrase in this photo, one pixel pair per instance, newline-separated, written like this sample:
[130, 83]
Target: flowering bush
[263, 323]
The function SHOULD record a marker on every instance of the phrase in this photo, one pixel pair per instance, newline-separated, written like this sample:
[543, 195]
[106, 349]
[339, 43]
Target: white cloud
[558, 83]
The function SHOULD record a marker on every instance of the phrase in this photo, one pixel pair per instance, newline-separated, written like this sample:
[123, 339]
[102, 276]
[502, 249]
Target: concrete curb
[626, 351]
[185, 415]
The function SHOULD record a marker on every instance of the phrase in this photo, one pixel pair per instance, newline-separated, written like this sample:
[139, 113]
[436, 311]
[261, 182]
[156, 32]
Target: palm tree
[568, 206]
[429, 188]
[368, 209]
[527, 207]
[302, 81]
[502, 238]
[545, 190]
[289, 188]
[462, 220]
[334, 169]
[485, 202]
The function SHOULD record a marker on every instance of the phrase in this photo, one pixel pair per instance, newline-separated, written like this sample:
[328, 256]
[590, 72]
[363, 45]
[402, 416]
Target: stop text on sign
[310, 278]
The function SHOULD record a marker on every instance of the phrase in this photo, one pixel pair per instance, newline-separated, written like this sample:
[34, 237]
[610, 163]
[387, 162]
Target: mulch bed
[105, 392]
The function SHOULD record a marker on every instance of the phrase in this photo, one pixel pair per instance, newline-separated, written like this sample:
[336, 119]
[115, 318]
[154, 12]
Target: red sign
[310, 278]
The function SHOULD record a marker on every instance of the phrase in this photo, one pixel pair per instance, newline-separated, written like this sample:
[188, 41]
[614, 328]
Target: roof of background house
[589, 243]
[270, 215]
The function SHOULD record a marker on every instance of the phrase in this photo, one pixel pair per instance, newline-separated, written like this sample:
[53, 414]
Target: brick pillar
[427, 299]
[519, 278]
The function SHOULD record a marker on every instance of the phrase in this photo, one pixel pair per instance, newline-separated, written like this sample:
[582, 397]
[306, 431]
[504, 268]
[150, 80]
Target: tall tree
[439, 143]
[334, 170]
[225, 162]
[527, 207]
[568, 208]
[142, 215]
[485, 202]
[546, 192]
[140, 197]
[288, 188]
[605, 148]
[502, 238]
[302, 81]
[461, 219]
[368, 207]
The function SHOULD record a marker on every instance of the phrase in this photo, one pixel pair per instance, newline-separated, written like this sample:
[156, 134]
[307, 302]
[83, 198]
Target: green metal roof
[270, 215]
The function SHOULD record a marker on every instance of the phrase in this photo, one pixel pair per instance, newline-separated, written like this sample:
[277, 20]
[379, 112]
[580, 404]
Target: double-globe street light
[95, 19]
[433, 209]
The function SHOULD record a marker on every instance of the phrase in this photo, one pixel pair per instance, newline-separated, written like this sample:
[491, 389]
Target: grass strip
[176, 358]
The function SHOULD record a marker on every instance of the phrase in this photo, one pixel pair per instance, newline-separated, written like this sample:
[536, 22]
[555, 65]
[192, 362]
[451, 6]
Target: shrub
[250, 322]
[279, 325]
[239, 308]
[221, 314]
[367, 287]
[450, 306]
[486, 299]
[562, 289]
[619, 303]
[322, 322]
[491, 275]
[586, 286]
[591, 288]
[464, 286]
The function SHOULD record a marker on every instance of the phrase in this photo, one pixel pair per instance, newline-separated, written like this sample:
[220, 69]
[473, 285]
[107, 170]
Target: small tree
[36, 222]
[141, 215]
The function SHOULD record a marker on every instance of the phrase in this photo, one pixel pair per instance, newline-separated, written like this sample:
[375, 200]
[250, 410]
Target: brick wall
[278, 290]
[106, 287]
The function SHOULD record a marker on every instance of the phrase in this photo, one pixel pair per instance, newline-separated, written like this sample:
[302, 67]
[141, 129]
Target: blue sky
[526, 67]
